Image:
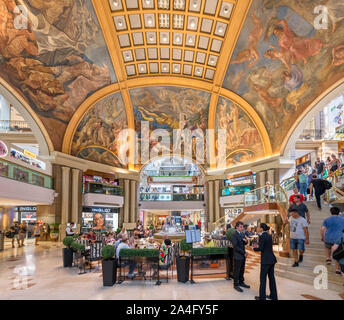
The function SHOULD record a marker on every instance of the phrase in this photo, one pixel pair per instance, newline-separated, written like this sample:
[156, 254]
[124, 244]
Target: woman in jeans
[37, 233]
[303, 180]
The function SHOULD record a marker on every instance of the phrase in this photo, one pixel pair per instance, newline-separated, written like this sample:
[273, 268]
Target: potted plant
[68, 252]
[54, 231]
[183, 262]
[109, 265]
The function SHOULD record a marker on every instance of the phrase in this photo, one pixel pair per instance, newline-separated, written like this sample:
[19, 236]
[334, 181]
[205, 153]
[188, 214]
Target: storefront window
[20, 175]
[3, 169]
[37, 180]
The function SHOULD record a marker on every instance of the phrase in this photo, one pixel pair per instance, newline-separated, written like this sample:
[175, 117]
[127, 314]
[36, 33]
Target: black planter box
[67, 257]
[109, 272]
[183, 267]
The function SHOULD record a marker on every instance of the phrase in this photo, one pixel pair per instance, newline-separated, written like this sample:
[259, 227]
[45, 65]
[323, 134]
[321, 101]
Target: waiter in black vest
[268, 261]
[239, 256]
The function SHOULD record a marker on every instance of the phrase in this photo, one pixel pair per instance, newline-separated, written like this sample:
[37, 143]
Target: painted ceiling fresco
[57, 61]
[96, 137]
[282, 63]
[242, 137]
[170, 108]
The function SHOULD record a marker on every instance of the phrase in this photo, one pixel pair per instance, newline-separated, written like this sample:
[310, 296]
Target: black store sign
[100, 210]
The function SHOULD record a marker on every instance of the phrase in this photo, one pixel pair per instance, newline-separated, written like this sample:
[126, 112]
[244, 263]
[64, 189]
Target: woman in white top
[37, 232]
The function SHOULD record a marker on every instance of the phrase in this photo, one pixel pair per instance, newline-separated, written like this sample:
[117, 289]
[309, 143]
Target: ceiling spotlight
[198, 71]
[176, 69]
[212, 60]
[116, 3]
[127, 55]
[220, 29]
[226, 9]
[178, 39]
[149, 21]
[120, 23]
[147, 2]
[164, 68]
[190, 40]
[151, 38]
[194, 4]
[164, 38]
[142, 68]
[192, 24]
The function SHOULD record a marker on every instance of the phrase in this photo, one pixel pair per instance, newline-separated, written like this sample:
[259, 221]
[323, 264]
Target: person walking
[15, 231]
[267, 263]
[292, 197]
[301, 208]
[339, 241]
[239, 257]
[299, 236]
[303, 180]
[330, 231]
[320, 168]
[37, 233]
[319, 189]
[23, 232]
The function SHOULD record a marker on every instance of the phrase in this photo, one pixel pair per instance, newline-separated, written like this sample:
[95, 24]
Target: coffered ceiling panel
[184, 37]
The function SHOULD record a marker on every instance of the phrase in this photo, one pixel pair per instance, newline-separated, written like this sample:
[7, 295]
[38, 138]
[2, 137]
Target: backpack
[327, 184]
[339, 252]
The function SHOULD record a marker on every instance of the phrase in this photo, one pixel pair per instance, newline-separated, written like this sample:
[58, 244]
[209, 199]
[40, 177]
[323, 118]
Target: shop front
[27, 214]
[99, 218]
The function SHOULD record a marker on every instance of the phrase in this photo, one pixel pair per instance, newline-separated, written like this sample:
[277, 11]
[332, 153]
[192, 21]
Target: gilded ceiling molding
[32, 113]
[306, 111]
[236, 23]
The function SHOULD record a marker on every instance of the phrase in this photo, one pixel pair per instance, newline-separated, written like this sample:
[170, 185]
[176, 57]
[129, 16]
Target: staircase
[313, 256]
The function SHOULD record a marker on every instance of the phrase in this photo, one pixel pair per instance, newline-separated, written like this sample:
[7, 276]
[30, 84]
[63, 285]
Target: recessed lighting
[120, 23]
[220, 29]
[194, 4]
[151, 38]
[164, 38]
[149, 21]
[127, 55]
[147, 2]
[164, 68]
[115, 3]
[175, 68]
[178, 39]
[192, 24]
[142, 69]
[226, 9]
[190, 40]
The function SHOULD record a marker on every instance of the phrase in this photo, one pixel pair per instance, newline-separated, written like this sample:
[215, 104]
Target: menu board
[192, 235]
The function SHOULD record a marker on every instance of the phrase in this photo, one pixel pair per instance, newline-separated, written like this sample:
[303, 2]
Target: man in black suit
[268, 261]
[239, 255]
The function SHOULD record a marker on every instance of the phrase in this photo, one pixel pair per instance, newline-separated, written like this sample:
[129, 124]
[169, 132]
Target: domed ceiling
[91, 68]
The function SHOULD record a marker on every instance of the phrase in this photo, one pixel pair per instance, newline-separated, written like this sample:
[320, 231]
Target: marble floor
[36, 273]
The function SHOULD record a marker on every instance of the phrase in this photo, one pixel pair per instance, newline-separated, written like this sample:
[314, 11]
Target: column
[76, 196]
[210, 204]
[133, 201]
[262, 180]
[65, 195]
[271, 176]
[126, 201]
[217, 200]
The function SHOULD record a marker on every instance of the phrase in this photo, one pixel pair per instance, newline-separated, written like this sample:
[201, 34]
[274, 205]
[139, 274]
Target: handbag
[339, 252]
[9, 234]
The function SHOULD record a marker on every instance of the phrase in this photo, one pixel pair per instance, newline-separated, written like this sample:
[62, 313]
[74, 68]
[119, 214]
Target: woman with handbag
[338, 252]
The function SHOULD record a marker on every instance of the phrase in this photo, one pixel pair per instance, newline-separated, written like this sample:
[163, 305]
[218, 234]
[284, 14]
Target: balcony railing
[171, 197]
[14, 126]
[92, 187]
[171, 173]
[267, 194]
[311, 134]
[15, 172]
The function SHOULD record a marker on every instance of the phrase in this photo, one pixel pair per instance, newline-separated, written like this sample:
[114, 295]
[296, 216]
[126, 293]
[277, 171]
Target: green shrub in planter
[229, 233]
[108, 252]
[118, 230]
[76, 235]
[79, 247]
[147, 253]
[209, 251]
[67, 241]
[185, 246]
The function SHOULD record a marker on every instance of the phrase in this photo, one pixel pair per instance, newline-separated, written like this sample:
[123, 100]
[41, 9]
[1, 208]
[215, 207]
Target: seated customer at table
[91, 236]
[132, 264]
[208, 242]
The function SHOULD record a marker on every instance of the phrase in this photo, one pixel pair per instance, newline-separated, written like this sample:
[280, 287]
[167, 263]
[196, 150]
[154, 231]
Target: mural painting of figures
[58, 61]
[242, 137]
[101, 126]
[170, 108]
[296, 61]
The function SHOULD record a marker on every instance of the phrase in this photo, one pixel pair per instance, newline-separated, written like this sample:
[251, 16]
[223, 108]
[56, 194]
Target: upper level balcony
[14, 126]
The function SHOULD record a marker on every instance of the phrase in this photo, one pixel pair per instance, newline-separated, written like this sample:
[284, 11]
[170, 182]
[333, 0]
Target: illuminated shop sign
[30, 154]
[27, 209]
[99, 210]
[27, 159]
[3, 149]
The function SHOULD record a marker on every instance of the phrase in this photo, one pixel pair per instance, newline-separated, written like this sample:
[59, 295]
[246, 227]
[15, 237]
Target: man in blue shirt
[330, 231]
[334, 248]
